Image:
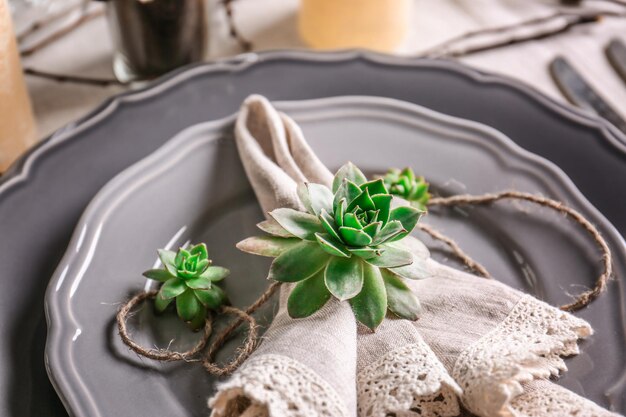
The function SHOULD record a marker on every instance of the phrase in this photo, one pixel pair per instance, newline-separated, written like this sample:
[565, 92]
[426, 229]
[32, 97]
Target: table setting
[313, 208]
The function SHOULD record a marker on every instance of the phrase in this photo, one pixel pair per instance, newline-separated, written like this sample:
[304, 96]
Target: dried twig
[77, 79]
[83, 18]
[244, 43]
[42, 23]
[443, 50]
[432, 52]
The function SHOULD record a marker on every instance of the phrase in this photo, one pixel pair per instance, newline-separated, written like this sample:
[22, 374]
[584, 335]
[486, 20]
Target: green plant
[406, 185]
[350, 244]
[189, 278]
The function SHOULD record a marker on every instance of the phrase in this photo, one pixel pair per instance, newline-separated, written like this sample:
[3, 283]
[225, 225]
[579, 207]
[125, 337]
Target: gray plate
[164, 201]
[43, 195]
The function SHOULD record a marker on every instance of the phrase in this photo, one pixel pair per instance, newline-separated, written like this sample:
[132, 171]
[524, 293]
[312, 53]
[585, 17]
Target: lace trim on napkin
[552, 400]
[285, 386]
[528, 344]
[409, 381]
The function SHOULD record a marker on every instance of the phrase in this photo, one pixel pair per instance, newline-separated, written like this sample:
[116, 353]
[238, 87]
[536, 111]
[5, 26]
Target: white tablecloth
[271, 24]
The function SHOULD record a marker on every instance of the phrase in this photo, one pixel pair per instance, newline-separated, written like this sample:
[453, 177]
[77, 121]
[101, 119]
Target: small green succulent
[189, 278]
[349, 244]
[406, 185]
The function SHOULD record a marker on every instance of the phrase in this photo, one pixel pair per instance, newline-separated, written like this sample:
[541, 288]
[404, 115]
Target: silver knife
[616, 52]
[579, 92]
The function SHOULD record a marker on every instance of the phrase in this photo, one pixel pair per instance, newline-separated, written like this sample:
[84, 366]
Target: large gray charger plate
[194, 189]
[43, 195]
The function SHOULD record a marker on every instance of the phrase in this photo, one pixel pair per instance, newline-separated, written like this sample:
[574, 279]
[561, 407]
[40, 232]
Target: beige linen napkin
[493, 340]
[303, 367]
[498, 344]
[391, 365]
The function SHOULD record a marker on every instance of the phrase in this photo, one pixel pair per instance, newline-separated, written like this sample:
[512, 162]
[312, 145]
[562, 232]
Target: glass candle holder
[152, 37]
[380, 25]
[17, 124]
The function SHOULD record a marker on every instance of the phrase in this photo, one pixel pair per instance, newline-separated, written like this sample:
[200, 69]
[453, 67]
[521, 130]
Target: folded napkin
[499, 344]
[494, 342]
[303, 367]
[390, 365]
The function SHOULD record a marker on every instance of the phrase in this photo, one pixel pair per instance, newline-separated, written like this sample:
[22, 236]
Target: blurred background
[77, 53]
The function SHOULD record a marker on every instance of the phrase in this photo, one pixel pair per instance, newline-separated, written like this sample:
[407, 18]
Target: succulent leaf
[199, 283]
[370, 305]
[273, 228]
[360, 218]
[416, 270]
[172, 288]
[348, 191]
[354, 237]
[406, 185]
[298, 263]
[328, 224]
[332, 247]
[400, 299]
[350, 172]
[198, 320]
[367, 253]
[266, 245]
[167, 258]
[340, 212]
[375, 187]
[161, 275]
[308, 296]
[202, 264]
[350, 220]
[372, 229]
[187, 305]
[189, 281]
[392, 257]
[321, 198]
[212, 298]
[388, 232]
[303, 195]
[201, 251]
[181, 257]
[298, 223]
[344, 277]
[383, 205]
[161, 303]
[362, 201]
[408, 216]
[215, 273]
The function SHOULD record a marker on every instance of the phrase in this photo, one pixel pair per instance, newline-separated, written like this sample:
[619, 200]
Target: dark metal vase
[152, 37]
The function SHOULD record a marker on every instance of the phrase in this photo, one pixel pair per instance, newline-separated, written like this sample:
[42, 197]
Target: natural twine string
[456, 250]
[584, 298]
[251, 340]
[166, 355]
[250, 343]
[243, 351]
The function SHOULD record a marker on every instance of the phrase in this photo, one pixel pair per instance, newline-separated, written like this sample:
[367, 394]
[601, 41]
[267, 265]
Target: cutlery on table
[578, 91]
[616, 53]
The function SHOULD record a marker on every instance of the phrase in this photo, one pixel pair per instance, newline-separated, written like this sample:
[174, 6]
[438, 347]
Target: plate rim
[19, 172]
[59, 362]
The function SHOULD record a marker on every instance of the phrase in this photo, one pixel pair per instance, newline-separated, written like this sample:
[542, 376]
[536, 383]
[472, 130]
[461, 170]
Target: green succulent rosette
[348, 244]
[406, 185]
[189, 278]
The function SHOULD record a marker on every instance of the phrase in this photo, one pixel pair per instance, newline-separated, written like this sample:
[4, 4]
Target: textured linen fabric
[500, 345]
[478, 339]
[304, 367]
[396, 370]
